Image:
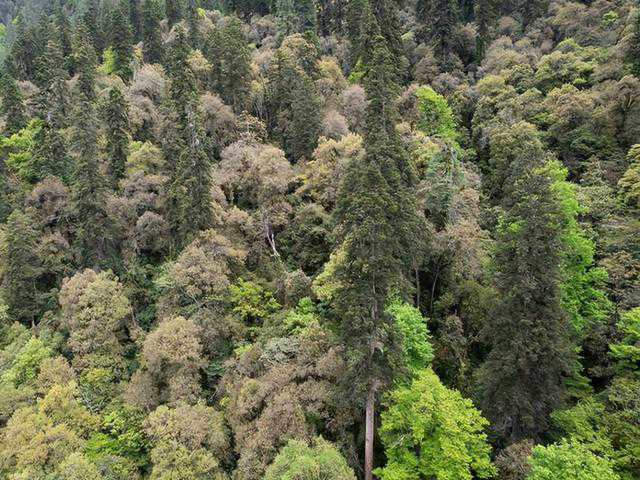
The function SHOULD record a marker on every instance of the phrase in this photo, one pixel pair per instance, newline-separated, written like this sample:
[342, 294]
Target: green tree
[121, 42]
[417, 351]
[569, 461]
[22, 269]
[440, 18]
[117, 134]
[430, 431]
[12, 106]
[152, 48]
[319, 461]
[531, 356]
[377, 229]
[627, 351]
[486, 15]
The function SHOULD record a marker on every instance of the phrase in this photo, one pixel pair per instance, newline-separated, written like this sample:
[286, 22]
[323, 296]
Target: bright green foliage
[436, 114]
[117, 134]
[582, 294]
[18, 149]
[430, 431]
[303, 317]
[569, 461]
[11, 106]
[627, 351]
[251, 301]
[26, 363]
[416, 342]
[300, 461]
[152, 48]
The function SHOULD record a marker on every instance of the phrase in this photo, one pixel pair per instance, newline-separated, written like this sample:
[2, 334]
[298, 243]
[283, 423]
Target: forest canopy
[319, 239]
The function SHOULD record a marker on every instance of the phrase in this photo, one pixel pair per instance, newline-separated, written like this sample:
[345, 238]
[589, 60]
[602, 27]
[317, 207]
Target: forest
[319, 239]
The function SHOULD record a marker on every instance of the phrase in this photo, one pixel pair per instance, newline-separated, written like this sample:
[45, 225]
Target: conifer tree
[486, 13]
[229, 54]
[12, 107]
[377, 227]
[23, 269]
[531, 356]
[85, 60]
[89, 193]
[51, 78]
[633, 52]
[117, 134]
[152, 40]
[189, 204]
[193, 20]
[121, 42]
[64, 35]
[135, 19]
[440, 18]
[175, 11]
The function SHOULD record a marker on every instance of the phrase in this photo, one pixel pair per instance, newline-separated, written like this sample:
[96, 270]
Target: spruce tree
[117, 134]
[486, 13]
[193, 20]
[84, 59]
[12, 107]
[440, 18]
[23, 269]
[531, 355]
[377, 227]
[64, 36]
[121, 42]
[89, 193]
[189, 203]
[152, 40]
[135, 19]
[51, 77]
[175, 11]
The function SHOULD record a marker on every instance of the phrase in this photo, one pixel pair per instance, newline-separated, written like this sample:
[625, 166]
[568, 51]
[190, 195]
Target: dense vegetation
[319, 239]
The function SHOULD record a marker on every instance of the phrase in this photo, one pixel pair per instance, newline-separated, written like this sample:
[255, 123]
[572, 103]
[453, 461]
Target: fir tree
[152, 40]
[23, 269]
[84, 60]
[189, 204]
[52, 77]
[64, 34]
[121, 43]
[193, 20]
[135, 19]
[440, 18]
[12, 107]
[531, 356]
[486, 13]
[376, 225]
[117, 134]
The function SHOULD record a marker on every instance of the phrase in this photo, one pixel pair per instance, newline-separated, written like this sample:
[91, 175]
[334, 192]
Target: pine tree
[377, 228]
[152, 40]
[23, 269]
[121, 42]
[531, 356]
[12, 107]
[117, 134]
[189, 204]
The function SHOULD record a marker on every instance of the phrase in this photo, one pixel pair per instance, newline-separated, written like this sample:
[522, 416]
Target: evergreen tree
[52, 78]
[175, 11]
[91, 19]
[296, 16]
[89, 193]
[633, 52]
[531, 356]
[152, 40]
[440, 18]
[23, 269]
[189, 204]
[486, 12]
[229, 54]
[377, 227]
[64, 34]
[84, 59]
[193, 20]
[12, 107]
[50, 153]
[121, 43]
[135, 19]
[117, 134]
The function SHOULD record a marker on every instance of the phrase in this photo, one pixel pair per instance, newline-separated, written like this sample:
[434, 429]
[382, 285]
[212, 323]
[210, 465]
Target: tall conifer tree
[377, 226]
[12, 107]
[117, 123]
[151, 37]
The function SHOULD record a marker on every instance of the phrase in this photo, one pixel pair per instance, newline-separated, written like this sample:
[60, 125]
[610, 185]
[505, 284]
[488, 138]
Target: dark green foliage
[633, 52]
[296, 16]
[439, 18]
[117, 133]
[523, 378]
[12, 107]
[229, 54]
[23, 269]
[121, 42]
[486, 15]
[175, 11]
[152, 48]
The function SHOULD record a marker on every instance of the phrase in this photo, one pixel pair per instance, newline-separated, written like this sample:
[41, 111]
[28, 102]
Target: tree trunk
[368, 442]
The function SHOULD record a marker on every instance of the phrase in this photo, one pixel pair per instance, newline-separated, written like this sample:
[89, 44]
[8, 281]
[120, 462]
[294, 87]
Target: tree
[430, 431]
[377, 229]
[441, 16]
[121, 42]
[152, 47]
[486, 14]
[302, 461]
[531, 356]
[296, 16]
[229, 54]
[627, 351]
[175, 11]
[12, 107]
[190, 209]
[570, 461]
[22, 269]
[117, 122]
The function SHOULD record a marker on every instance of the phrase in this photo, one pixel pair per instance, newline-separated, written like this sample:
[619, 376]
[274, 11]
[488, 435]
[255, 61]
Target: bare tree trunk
[368, 436]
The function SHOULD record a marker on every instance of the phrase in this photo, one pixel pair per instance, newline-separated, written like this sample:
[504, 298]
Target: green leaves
[569, 461]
